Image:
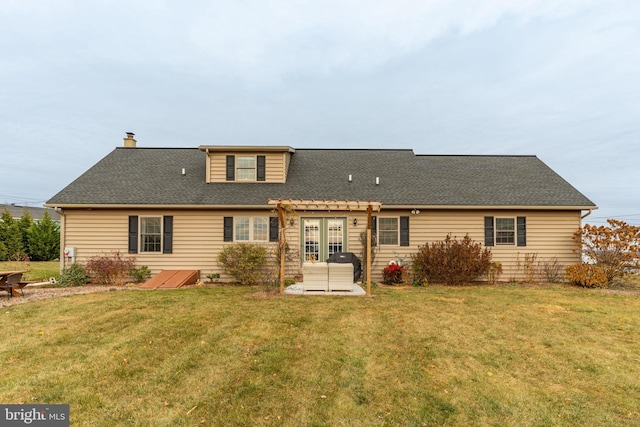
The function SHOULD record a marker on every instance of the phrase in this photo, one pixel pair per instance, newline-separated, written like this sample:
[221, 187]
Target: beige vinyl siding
[275, 166]
[549, 235]
[197, 238]
[285, 169]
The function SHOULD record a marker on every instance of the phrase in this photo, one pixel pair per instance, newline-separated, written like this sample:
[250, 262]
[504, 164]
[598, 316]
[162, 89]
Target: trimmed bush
[245, 262]
[74, 275]
[392, 274]
[586, 275]
[111, 268]
[452, 261]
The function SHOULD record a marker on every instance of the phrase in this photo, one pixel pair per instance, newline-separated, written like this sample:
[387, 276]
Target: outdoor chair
[14, 284]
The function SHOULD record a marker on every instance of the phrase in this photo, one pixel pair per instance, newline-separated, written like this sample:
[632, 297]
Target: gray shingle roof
[153, 176]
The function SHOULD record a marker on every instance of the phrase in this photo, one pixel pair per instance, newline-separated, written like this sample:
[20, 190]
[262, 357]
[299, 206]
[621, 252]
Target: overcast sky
[559, 79]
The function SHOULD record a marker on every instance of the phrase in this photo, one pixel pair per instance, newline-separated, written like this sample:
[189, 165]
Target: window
[246, 168]
[335, 235]
[251, 229]
[505, 231]
[388, 231]
[151, 234]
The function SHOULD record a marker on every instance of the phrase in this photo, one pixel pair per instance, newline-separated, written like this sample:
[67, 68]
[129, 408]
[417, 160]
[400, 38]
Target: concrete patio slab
[298, 290]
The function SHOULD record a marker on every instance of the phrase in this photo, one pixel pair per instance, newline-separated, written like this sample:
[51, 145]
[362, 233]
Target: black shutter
[273, 228]
[231, 168]
[228, 229]
[488, 231]
[167, 235]
[522, 231]
[262, 173]
[374, 230]
[404, 231]
[133, 234]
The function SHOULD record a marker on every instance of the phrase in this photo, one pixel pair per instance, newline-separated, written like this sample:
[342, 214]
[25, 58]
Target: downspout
[587, 214]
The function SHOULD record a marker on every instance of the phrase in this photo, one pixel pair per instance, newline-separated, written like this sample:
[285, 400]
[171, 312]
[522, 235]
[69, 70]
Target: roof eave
[247, 148]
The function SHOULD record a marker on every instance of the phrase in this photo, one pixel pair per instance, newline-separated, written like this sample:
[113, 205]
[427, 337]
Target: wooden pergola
[324, 205]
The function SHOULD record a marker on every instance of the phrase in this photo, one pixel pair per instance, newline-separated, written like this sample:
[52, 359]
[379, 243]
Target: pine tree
[44, 239]
[11, 237]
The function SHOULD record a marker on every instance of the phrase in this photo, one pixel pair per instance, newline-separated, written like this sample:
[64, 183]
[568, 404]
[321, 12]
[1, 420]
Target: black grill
[346, 258]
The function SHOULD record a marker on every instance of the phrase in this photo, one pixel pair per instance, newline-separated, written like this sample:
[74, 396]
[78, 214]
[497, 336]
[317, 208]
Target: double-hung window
[505, 231]
[391, 231]
[388, 231]
[150, 234]
[246, 168]
[251, 229]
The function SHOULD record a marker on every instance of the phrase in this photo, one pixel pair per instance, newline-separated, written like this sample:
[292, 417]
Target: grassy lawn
[36, 270]
[224, 356]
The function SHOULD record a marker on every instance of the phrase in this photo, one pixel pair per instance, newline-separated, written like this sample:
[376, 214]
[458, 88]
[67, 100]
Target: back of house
[178, 208]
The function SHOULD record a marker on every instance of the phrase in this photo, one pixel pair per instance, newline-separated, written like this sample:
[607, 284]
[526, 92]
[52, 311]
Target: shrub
[616, 248]
[244, 262]
[551, 270]
[451, 261]
[586, 275]
[110, 268]
[494, 272]
[392, 274]
[140, 274]
[74, 275]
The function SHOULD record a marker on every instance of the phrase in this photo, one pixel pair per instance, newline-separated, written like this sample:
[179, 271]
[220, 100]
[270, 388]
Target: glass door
[311, 240]
[322, 237]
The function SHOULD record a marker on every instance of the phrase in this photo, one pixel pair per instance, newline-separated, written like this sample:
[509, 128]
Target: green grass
[502, 355]
[36, 271]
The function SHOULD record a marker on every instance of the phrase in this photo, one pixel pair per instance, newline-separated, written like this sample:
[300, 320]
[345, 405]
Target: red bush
[392, 274]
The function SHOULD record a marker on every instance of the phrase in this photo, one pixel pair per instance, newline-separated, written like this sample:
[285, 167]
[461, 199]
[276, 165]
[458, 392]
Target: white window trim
[515, 231]
[140, 234]
[251, 228]
[397, 218]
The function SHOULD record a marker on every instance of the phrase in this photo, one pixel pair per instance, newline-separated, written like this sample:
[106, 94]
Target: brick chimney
[129, 142]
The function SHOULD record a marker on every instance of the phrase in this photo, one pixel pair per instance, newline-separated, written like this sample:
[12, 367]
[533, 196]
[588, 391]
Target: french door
[323, 237]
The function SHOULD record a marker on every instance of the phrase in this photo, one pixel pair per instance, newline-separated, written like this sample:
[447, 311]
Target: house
[177, 208]
[16, 212]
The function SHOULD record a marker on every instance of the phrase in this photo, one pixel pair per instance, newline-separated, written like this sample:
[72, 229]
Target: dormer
[249, 164]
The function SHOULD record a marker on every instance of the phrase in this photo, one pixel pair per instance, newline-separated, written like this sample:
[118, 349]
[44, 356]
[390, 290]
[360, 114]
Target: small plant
[495, 270]
[529, 267]
[74, 275]
[586, 275]
[111, 268]
[140, 274]
[420, 283]
[392, 274]
[551, 270]
[213, 277]
[244, 262]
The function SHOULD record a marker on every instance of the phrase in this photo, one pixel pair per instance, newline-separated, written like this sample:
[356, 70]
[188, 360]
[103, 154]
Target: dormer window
[246, 168]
